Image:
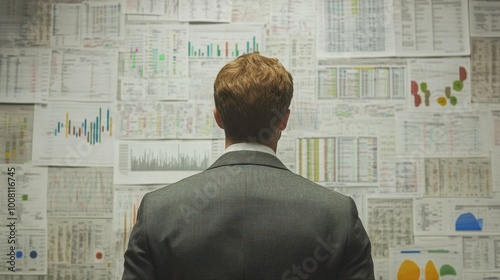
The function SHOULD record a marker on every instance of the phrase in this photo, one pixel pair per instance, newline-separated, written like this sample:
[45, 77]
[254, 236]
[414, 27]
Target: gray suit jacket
[247, 217]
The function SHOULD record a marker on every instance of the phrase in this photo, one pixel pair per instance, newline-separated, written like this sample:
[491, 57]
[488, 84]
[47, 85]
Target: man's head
[252, 95]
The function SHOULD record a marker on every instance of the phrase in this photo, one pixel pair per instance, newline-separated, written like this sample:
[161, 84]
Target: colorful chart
[431, 272]
[409, 270]
[77, 134]
[224, 49]
[90, 130]
[224, 41]
[458, 86]
[440, 84]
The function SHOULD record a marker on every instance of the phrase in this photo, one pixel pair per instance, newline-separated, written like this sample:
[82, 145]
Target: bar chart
[90, 129]
[76, 134]
[224, 41]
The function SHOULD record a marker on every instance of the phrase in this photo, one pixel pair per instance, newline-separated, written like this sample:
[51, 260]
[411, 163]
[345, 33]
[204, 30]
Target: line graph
[80, 192]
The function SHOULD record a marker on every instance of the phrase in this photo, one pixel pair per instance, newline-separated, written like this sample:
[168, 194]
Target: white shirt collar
[245, 146]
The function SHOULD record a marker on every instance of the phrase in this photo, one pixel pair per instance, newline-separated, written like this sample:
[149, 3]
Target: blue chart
[224, 40]
[468, 222]
[474, 216]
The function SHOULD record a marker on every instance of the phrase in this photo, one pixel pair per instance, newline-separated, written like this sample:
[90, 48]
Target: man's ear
[284, 120]
[218, 119]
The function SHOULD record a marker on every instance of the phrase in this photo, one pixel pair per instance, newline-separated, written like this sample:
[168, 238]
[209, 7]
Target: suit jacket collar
[248, 158]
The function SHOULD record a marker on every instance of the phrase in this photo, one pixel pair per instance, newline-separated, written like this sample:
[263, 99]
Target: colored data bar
[133, 58]
[91, 130]
[15, 147]
[225, 50]
[316, 159]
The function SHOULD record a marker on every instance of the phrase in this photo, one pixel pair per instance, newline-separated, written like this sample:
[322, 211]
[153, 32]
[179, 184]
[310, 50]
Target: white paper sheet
[25, 23]
[484, 18]
[362, 81]
[485, 74]
[23, 207]
[155, 50]
[458, 177]
[80, 192]
[205, 11]
[167, 120]
[390, 223]
[425, 263]
[102, 24]
[481, 253]
[351, 29]
[24, 75]
[83, 75]
[148, 7]
[250, 11]
[431, 28]
[473, 217]
[429, 216]
[393, 28]
[441, 135]
[126, 202]
[91, 252]
[169, 12]
[338, 161]
[66, 18]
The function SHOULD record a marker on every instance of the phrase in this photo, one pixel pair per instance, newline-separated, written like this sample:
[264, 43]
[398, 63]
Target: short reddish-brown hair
[250, 92]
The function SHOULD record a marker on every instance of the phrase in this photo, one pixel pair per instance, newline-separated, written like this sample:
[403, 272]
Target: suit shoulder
[179, 187]
[315, 190]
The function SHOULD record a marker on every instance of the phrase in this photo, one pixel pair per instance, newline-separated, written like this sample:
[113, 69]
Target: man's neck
[273, 144]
